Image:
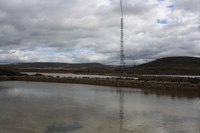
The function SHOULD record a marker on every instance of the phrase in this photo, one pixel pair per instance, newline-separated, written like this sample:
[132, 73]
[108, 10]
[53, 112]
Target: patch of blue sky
[43, 52]
[50, 52]
[164, 21]
[88, 50]
[171, 7]
[66, 50]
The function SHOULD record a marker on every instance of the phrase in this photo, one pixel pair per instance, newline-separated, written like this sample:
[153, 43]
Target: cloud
[89, 31]
[188, 5]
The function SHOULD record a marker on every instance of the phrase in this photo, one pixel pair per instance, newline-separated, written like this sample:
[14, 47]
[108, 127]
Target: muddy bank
[110, 82]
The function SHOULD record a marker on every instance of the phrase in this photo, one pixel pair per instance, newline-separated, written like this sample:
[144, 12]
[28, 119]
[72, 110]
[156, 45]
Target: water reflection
[35, 107]
[160, 115]
[122, 129]
[173, 94]
[62, 128]
[158, 92]
[121, 112]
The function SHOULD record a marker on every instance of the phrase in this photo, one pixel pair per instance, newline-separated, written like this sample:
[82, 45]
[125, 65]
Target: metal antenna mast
[122, 55]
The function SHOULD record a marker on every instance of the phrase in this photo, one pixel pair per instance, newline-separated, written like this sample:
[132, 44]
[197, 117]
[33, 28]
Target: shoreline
[127, 83]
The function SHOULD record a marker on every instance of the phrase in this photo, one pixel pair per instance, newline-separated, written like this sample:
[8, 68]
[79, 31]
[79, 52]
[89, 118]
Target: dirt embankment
[130, 83]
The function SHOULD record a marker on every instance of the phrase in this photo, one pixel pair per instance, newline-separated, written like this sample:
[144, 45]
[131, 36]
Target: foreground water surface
[36, 107]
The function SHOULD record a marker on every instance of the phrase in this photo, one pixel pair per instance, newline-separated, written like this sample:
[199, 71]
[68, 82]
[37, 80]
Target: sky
[82, 31]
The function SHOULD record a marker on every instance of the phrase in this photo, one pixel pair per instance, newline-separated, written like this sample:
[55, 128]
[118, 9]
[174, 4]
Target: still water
[36, 107]
[70, 75]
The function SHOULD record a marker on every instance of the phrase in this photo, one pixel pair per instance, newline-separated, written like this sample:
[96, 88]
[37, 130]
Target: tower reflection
[121, 113]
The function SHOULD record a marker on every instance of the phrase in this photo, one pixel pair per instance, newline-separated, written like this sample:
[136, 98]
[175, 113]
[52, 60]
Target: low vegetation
[7, 72]
[142, 82]
[170, 79]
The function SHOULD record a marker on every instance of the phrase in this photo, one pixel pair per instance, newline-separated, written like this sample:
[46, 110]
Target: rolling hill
[58, 67]
[170, 66]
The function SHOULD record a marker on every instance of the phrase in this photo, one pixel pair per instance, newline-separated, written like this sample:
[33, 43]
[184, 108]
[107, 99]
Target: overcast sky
[79, 31]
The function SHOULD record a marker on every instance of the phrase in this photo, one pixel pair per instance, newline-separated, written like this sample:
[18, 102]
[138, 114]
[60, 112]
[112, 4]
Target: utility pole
[122, 55]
